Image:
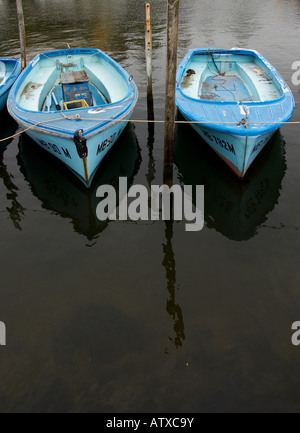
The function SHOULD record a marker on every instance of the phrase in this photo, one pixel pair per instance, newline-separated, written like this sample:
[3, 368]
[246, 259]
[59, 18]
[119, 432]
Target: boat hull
[10, 78]
[64, 149]
[237, 151]
[78, 137]
[236, 101]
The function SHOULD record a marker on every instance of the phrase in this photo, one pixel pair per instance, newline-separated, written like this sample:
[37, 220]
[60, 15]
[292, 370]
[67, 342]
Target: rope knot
[244, 121]
[74, 117]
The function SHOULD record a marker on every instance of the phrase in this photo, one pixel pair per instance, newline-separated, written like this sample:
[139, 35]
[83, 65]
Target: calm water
[126, 317]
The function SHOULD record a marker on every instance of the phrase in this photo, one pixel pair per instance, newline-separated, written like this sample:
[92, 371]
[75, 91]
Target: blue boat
[74, 103]
[10, 69]
[235, 99]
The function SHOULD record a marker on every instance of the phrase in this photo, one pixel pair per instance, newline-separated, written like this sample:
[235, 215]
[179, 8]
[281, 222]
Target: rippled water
[125, 317]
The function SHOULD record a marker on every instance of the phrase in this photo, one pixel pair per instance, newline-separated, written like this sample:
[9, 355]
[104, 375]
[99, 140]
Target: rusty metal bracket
[80, 143]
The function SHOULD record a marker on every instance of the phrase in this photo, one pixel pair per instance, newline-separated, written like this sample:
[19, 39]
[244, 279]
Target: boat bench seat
[2, 71]
[32, 92]
[262, 88]
[190, 85]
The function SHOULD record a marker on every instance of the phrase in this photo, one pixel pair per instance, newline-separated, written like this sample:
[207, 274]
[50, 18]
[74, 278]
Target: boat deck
[224, 88]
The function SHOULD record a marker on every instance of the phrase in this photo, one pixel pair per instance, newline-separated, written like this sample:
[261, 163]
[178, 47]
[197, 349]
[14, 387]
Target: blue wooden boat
[235, 100]
[10, 69]
[76, 103]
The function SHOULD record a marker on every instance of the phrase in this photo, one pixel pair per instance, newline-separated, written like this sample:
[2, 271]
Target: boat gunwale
[254, 128]
[87, 133]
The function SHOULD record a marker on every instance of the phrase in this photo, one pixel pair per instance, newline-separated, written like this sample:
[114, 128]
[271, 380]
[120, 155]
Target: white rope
[40, 123]
[244, 121]
[188, 122]
[178, 122]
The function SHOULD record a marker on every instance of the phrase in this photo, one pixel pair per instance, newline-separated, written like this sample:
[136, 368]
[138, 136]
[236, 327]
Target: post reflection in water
[169, 263]
[60, 192]
[173, 309]
[234, 208]
[150, 175]
[15, 211]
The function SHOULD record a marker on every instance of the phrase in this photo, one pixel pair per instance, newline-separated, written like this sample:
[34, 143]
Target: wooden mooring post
[21, 32]
[148, 48]
[170, 111]
[150, 101]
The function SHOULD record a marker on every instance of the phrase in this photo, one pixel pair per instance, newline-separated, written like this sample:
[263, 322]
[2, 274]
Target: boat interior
[229, 77]
[71, 82]
[6, 68]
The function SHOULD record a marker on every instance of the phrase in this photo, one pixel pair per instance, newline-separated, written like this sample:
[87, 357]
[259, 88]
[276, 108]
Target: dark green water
[125, 317]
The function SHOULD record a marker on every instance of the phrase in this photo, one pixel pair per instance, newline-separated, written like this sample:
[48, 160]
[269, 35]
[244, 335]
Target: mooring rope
[217, 77]
[75, 117]
[177, 122]
[244, 121]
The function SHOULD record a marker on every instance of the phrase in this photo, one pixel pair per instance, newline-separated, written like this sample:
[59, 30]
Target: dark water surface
[125, 317]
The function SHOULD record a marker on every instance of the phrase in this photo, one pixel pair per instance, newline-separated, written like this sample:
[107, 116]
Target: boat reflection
[52, 184]
[7, 128]
[15, 211]
[234, 208]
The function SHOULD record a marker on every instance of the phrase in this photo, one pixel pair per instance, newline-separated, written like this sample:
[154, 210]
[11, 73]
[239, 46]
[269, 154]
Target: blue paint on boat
[10, 69]
[238, 99]
[76, 102]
